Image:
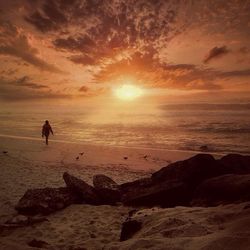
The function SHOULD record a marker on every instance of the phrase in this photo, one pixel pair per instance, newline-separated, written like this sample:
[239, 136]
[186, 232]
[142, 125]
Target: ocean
[219, 128]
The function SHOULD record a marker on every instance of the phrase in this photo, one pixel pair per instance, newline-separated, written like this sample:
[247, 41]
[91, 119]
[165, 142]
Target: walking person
[46, 130]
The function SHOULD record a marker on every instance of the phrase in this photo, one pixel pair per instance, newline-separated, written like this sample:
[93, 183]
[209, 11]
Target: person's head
[47, 122]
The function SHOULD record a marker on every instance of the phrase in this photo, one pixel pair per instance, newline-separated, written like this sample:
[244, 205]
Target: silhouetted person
[46, 131]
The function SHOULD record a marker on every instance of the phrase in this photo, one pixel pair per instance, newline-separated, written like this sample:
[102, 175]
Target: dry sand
[31, 164]
[223, 227]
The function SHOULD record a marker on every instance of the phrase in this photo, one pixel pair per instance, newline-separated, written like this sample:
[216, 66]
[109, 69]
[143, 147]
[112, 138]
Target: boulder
[172, 185]
[140, 183]
[175, 184]
[191, 171]
[165, 194]
[129, 228]
[222, 190]
[45, 200]
[107, 189]
[87, 193]
[102, 181]
[235, 164]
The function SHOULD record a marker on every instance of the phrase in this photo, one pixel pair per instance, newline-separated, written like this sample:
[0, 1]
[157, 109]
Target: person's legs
[47, 141]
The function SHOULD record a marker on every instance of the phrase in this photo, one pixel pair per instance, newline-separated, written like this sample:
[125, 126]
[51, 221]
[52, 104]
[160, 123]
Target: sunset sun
[128, 92]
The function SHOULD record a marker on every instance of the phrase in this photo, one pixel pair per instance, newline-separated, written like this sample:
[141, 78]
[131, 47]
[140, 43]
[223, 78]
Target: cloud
[235, 73]
[149, 19]
[118, 39]
[25, 81]
[244, 50]
[81, 43]
[215, 53]
[84, 44]
[24, 88]
[148, 70]
[105, 29]
[48, 18]
[84, 60]
[84, 89]
[27, 55]
[14, 42]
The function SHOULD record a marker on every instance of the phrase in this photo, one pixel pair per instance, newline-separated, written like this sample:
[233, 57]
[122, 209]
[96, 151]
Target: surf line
[30, 138]
[112, 146]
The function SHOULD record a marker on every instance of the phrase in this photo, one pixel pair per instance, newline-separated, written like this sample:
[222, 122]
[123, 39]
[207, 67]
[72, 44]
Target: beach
[32, 164]
[28, 164]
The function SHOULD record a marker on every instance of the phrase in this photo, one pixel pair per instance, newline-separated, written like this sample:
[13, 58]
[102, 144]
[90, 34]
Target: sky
[80, 50]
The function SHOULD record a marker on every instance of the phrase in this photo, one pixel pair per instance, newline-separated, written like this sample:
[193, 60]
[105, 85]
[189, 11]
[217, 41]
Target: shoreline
[30, 138]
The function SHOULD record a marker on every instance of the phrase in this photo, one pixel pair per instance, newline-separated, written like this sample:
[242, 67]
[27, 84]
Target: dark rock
[45, 200]
[247, 206]
[172, 185]
[87, 193]
[129, 228]
[175, 184]
[38, 243]
[107, 189]
[191, 171]
[146, 192]
[165, 194]
[102, 181]
[203, 166]
[235, 164]
[130, 186]
[222, 190]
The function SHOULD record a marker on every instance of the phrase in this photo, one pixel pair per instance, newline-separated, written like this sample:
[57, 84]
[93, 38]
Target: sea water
[214, 128]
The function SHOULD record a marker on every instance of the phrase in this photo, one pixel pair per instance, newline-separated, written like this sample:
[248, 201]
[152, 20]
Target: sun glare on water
[128, 92]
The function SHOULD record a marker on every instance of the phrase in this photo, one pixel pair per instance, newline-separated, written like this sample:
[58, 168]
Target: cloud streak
[216, 52]
[24, 88]
[15, 43]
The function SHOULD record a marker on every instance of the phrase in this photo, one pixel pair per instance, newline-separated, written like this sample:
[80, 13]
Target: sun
[128, 92]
